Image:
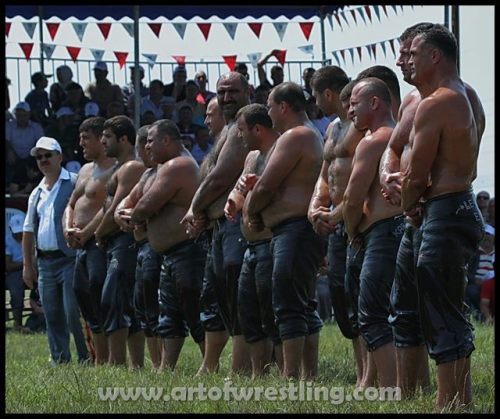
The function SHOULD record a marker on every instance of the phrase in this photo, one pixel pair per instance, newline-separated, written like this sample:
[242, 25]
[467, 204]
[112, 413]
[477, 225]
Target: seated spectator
[91, 109]
[307, 76]
[317, 117]
[102, 91]
[168, 107]
[185, 124]
[147, 118]
[243, 69]
[204, 95]
[261, 94]
[177, 89]
[35, 322]
[67, 134]
[38, 99]
[76, 100]
[201, 145]
[198, 109]
[187, 141]
[57, 91]
[115, 108]
[155, 100]
[14, 267]
[487, 303]
[24, 180]
[128, 90]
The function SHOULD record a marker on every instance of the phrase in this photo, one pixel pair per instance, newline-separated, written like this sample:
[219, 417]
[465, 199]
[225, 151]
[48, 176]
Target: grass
[33, 386]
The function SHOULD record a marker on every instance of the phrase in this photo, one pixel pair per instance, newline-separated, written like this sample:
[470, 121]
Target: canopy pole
[455, 28]
[40, 30]
[323, 41]
[137, 90]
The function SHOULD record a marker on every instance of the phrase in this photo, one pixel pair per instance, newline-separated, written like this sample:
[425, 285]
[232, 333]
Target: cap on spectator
[24, 106]
[489, 229]
[64, 111]
[46, 143]
[91, 109]
[36, 77]
[179, 69]
[141, 68]
[101, 65]
[16, 223]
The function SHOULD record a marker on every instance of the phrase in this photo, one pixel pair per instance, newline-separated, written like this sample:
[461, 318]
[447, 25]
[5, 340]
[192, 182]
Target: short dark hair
[121, 125]
[385, 74]
[142, 134]
[413, 31]
[94, 124]
[167, 127]
[373, 86]
[329, 77]
[345, 93]
[73, 86]
[290, 93]
[254, 114]
[440, 37]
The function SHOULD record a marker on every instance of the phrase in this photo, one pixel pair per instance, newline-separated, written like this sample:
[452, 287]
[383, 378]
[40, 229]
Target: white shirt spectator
[23, 140]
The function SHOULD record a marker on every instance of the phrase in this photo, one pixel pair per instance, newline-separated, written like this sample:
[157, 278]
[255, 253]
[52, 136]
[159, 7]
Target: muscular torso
[405, 125]
[92, 200]
[141, 232]
[164, 229]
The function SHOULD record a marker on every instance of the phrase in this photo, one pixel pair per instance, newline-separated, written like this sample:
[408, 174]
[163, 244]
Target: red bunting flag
[368, 12]
[338, 20]
[73, 52]
[27, 48]
[121, 57]
[105, 28]
[52, 27]
[280, 54]
[180, 59]
[7, 28]
[353, 14]
[256, 27]
[156, 28]
[359, 52]
[374, 50]
[384, 8]
[230, 60]
[306, 28]
[205, 29]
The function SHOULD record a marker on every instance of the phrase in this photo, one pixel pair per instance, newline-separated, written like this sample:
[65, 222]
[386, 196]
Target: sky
[476, 53]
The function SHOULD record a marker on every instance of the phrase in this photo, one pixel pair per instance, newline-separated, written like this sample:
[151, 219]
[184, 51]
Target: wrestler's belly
[164, 230]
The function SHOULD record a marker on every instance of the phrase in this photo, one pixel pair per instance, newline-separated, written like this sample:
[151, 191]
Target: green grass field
[33, 386]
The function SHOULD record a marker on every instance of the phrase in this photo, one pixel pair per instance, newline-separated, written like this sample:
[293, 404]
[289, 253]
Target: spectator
[38, 99]
[128, 91]
[317, 117]
[155, 100]
[243, 69]
[177, 89]
[91, 109]
[261, 94]
[204, 95]
[115, 108]
[491, 212]
[14, 267]
[168, 107]
[147, 118]
[198, 109]
[307, 76]
[187, 141]
[186, 125]
[35, 322]
[482, 199]
[277, 75]
[57, 91]
[201, 145]
[488, 299]
[67, 133]
[76, 100]
[102, 91]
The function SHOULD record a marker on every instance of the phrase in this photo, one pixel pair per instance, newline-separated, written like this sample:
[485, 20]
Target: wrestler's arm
[124, 208]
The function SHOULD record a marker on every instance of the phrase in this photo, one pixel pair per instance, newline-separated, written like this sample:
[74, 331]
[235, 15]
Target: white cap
[25, 106]
[46, 143]
[91, 109]
[16, 223]
[101, 65]
[489, 229]
[64, 111]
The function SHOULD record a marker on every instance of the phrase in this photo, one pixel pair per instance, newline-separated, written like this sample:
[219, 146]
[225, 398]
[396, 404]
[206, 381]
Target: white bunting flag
[307, 49]
[180, 28]
[79, 28]
[231, 29]
[129, 27]
[29, 27]
[151, 59]
[48, 50]
[280, 28]
[254, 58]
[97, 54]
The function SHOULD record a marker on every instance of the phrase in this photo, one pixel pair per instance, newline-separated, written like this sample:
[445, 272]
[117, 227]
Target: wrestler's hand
[246, 183]
[100, 241]
[123, 219]
[230, 210]
[194, 224]
[255, 224]
[321, 222]
[71, 239]
[82, 236]
[391, 188]
[414, 216]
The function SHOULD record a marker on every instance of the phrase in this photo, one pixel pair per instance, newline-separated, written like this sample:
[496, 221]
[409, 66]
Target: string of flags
[371, 49]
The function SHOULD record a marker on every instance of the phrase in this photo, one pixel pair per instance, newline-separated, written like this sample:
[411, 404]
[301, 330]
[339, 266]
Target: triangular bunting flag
[97, 54]
[369, 50]
[256, 27]
[280, 28]
[335, 55]
[121, 57]
[280, 54]
[359, 52]
[29, 27]
[48, 50]
[391, 43]
[52, 28]
[231, 29]
[330, 20]
[368, 13]
[104, 28]
[230, 60]
[180, 59]
[343, 16]
[205, 29]
[129, 27]
[7, 28]
[151, 59]
[254, 58]
[394, 8]
[27, 48]
[306, 28]
[377, 12]
[360, 11]
[307, 49]
[374, 50]
[79, 28]
[382, 45]
[351, 52]
[180, 28]
[402, 7]
[73, 52]
[384, 8]
[156, 28]
[342, 52]
[338, 20]
[353, 14]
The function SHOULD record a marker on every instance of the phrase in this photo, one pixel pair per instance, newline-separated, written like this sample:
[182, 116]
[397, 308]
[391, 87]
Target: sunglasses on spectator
[46, 155]
[482, 197]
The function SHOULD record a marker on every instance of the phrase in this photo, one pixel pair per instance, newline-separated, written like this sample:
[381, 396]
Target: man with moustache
[120, 324]
[228, 246]
[162, 206]
[81, 217]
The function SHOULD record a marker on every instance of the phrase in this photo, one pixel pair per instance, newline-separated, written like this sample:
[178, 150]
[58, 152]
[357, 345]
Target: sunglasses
[46, 155]
[482, 197]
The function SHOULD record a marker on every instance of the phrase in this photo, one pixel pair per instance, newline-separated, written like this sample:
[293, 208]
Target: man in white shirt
[55, 261]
